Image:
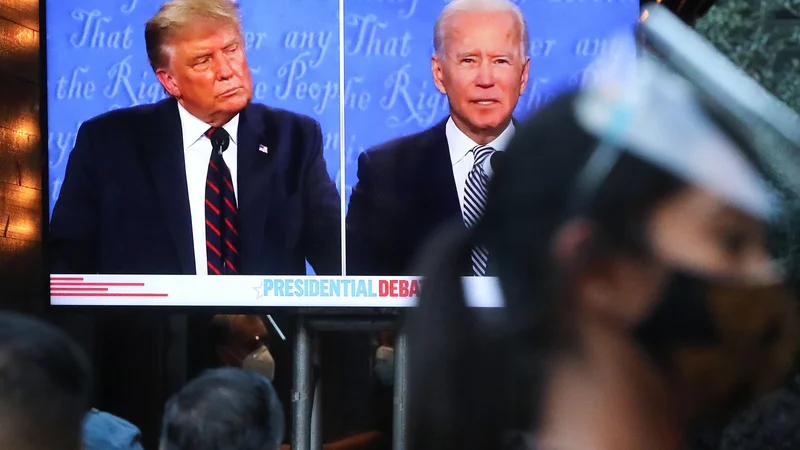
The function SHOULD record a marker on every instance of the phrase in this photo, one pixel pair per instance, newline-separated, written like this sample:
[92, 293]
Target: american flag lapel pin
[263, 149]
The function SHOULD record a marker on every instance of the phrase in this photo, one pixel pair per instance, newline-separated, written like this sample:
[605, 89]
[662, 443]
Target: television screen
[310, 155]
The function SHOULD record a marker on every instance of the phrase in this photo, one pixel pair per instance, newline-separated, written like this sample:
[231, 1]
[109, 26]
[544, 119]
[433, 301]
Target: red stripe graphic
[123, 294]
[230, 186]
[95, 284]
[213, 166]
[78, 289]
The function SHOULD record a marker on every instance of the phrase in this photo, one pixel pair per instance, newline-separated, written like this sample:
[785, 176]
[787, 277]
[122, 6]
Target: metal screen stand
[318, 396]
[302, 389]
[302, 384]
[316, 417]
[400, 391]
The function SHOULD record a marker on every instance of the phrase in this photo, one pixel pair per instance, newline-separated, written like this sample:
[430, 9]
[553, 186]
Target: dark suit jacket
[405, 193]
[124, 204]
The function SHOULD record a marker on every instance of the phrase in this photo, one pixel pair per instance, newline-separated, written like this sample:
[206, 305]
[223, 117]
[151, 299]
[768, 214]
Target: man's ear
[168, 82]
[523, 82]
[438, 75]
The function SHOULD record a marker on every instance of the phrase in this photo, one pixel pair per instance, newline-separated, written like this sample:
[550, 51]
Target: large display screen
[128, 205]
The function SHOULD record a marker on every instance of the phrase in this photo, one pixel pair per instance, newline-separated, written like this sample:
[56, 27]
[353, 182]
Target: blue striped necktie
[475, 203]
[222, 235]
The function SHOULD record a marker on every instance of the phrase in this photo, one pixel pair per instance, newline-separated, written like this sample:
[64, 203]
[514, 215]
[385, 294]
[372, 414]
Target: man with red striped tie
[222, 237]
[204, 182]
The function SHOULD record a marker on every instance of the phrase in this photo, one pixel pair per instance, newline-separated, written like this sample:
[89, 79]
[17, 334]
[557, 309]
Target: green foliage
[747, 33]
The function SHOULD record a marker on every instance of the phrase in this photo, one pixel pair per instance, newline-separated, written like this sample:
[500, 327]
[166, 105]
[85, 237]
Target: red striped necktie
[222, 235]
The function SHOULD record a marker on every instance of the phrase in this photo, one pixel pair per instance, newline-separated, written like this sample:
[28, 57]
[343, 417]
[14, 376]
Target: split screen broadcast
[328, 183]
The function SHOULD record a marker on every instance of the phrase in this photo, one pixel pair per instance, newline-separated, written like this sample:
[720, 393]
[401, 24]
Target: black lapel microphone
[220, 140]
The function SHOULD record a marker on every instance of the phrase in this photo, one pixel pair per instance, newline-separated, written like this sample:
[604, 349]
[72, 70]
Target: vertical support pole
[302, 389]
[400, 391]
[318, 396]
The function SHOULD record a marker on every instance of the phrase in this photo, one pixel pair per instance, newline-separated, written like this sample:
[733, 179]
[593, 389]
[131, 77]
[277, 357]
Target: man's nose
[224, 68]
[485, 76]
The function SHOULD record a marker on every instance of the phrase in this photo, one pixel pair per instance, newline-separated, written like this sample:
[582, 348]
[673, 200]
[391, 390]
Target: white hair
[461, 6]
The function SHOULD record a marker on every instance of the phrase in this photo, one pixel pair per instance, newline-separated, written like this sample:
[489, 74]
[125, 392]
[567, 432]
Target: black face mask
[723, 344]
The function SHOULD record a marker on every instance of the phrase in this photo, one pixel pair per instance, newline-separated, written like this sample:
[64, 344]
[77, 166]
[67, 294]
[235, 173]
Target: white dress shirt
[461, 155]
[197, 153]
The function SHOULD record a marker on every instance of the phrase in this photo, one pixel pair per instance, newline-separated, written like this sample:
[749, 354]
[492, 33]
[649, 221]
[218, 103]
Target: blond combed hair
[175, 16]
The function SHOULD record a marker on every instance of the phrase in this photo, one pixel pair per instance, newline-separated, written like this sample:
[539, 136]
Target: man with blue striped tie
[410, 187]
[475, 201]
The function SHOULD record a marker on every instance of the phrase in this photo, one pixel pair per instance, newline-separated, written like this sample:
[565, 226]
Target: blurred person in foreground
[224, 409]
[45, 386]
[409, 187]
[639, 299]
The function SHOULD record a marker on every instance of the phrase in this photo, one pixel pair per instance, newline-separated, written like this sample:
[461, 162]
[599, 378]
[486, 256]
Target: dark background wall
[21, 271]
[128, 349]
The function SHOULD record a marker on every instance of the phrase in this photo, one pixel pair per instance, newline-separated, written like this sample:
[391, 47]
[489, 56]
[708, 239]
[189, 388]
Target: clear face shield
[773, 127]
[723, 341]
[654, 115]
